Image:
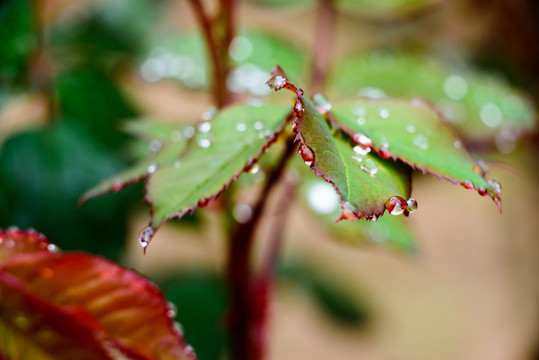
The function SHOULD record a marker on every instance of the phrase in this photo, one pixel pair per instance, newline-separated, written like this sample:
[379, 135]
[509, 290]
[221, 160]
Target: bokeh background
[458, 280]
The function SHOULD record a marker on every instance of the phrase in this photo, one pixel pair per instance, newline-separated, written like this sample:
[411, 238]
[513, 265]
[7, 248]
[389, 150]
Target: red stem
[325, 27]
[220, 93]
[248, 299]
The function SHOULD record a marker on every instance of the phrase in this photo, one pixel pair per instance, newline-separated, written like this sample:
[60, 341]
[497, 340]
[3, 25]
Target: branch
[325, 28]
[244, 327]
[206, 24]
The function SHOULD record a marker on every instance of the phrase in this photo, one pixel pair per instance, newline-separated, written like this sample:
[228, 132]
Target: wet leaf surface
[413, 132]
[364, 181]
[98, 311]
[228, 145]
[478, 105]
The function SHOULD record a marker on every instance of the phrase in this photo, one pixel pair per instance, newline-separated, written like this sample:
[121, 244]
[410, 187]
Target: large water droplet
[369, 166]
[421, 142]
[455, 87]
[145, 237]
[307, 154]
[349, 212]
[482, 191]
[277, 82]
[396, 205]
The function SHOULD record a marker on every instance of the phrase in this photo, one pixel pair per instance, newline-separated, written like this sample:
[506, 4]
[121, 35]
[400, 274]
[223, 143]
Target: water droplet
[242, 213]
[482, 191]
[384, 113]
[155, 146]
[491, 115]
[421, 142]
[495, 186]
[177, 164]
[455, 87]
[369, 166]
[22, 321]
[410, 128]
[178, 328]
[254, 169]
[362, 151]
[396, 205]
[322, 104]
[277, 82]
[203, 202]
[53, 248]
[359, 109]
[362, 140]
[117, 186]
[457, 144]
[411, 205]
[203, 143]
[361, 121]
[374, 218]
[175, 136]
[145, 237]
[307, 154]
[372, 92]
[152, 167]
[172, 310]
[241, 127]
[204, 127]
[467, 184]
[383, 152]
[258, 125]
[189, 132]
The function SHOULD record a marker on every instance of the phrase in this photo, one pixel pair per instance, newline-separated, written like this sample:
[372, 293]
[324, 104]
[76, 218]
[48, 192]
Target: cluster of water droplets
[397, 205]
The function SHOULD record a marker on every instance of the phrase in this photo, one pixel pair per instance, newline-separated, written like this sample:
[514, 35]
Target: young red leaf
[79, 306]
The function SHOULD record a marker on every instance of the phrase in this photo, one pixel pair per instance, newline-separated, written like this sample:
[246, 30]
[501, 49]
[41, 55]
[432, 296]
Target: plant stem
[246, 297]
[218, 67]
[325, 27]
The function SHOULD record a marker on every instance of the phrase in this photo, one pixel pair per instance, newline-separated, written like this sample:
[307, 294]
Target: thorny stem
[325, 27]
[248, 300]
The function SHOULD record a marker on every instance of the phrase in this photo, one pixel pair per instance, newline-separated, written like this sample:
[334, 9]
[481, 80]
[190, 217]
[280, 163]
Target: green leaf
[390, 231]
[386, 9]
[168, 142]
[413, 132]
[364, 182]
[478, 105]
[229, 145]
[79, 306]
[255, 54]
